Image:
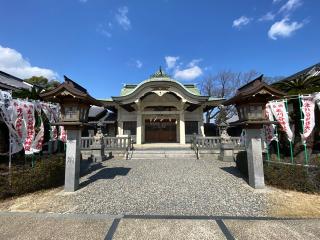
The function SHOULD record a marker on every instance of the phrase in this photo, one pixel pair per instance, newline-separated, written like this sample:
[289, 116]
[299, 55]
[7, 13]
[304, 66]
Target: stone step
[163, 154]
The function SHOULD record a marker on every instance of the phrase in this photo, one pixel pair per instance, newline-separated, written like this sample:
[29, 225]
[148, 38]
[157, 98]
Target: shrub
[46, 173]
[293, 177]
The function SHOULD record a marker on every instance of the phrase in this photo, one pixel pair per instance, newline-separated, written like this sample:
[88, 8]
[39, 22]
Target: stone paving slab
[156, 229]
[30, 227]
[275, 229]
[49, 226]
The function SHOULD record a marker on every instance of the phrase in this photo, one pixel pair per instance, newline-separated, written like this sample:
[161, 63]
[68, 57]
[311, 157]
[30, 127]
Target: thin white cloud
[188, 74]
[171, 61]
[290, 5]
[241, 21]
[104, 30]
[194, 62]
[83, 1]
[139, 64]
[122, 18]
[276, 1]
[283, 28]
[267, 17]
[12, 62]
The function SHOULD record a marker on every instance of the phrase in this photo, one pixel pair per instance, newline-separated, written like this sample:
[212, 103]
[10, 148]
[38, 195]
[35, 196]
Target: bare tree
[224, 85]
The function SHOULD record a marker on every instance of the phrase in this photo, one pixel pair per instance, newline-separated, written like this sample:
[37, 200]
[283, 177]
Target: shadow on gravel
[106, 173]
[233, 171]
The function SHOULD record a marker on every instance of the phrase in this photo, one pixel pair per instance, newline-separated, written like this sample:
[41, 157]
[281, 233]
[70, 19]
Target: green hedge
[293, 177]
[47, 173]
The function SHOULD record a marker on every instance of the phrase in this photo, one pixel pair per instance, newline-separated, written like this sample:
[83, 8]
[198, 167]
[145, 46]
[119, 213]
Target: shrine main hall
[159, 110]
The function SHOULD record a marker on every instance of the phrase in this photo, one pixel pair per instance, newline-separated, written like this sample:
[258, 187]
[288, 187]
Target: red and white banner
[280, 113]
[28, 115]
[307, 107]
[270, 128]
[6, 112]
[18, 121]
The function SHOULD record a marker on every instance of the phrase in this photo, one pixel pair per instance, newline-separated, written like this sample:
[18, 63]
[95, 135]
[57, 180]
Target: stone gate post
[72, 173]
[254, 158]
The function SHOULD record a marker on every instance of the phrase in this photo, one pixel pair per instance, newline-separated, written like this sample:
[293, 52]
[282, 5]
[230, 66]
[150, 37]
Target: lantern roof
[69, 88]
[253, 89]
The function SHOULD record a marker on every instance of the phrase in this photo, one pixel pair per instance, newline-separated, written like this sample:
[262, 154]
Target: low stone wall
[214, 154]
[86, 154]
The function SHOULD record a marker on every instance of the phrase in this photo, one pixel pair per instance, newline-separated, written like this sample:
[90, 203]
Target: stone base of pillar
[226, 152]
[255, 160]
[97, 152]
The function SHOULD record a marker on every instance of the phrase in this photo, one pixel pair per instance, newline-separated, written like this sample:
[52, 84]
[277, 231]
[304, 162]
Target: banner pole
[10, 158]
[290, 141]
[265, 138]
[278, 147]
[302, 124]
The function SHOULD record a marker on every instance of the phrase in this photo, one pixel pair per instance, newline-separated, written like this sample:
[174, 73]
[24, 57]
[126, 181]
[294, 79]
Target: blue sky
[102, 44]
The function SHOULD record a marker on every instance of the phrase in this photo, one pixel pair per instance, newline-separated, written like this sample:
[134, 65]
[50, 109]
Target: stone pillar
[255, 160]
[120, 127]
[201, 128]
[139, 128]
[182, 129]
[72, 173]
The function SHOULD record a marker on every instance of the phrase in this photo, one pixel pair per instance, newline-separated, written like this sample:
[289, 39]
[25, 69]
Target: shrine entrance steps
[163, 151]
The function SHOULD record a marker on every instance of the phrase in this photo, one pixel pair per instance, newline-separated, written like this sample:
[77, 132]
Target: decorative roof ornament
[160, 74]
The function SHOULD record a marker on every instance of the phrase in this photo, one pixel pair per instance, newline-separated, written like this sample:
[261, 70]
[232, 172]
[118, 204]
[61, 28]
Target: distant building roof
[9, 82]
[315, 67]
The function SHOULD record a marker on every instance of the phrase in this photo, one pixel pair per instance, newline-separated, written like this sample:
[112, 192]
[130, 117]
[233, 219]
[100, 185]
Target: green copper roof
[159, 75]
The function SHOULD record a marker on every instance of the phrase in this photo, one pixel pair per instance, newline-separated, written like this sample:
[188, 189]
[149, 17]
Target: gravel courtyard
[168, 187]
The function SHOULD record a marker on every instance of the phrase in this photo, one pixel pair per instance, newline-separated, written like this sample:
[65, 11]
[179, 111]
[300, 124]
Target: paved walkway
[157, 199]
[29, 226]
[168, 187]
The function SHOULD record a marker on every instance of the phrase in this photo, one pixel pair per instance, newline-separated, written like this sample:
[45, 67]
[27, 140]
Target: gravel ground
[168, 187]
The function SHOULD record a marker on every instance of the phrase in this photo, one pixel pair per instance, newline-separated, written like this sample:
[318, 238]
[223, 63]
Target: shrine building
[159, 109]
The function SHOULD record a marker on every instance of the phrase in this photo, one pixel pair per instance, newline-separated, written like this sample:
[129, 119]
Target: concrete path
[29, 226]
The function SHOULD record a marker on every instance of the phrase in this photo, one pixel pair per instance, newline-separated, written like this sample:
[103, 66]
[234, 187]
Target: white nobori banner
[307, 107]
[6, 112]
[270, 128]
[279, 111]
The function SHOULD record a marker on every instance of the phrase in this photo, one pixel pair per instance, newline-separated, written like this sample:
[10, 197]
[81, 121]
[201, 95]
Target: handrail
[124, 143]
[202, 142]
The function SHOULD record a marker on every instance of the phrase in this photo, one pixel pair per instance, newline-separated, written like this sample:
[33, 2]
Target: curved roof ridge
[160, 79]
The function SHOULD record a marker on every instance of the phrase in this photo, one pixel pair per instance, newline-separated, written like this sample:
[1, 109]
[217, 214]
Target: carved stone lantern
[250, 101]
[75, 102]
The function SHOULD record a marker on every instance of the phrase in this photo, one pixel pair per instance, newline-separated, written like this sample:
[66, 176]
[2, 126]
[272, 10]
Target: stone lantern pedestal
[72, 173]
[254, 157]
[226, 152]
[226, 147]
[97, 148]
